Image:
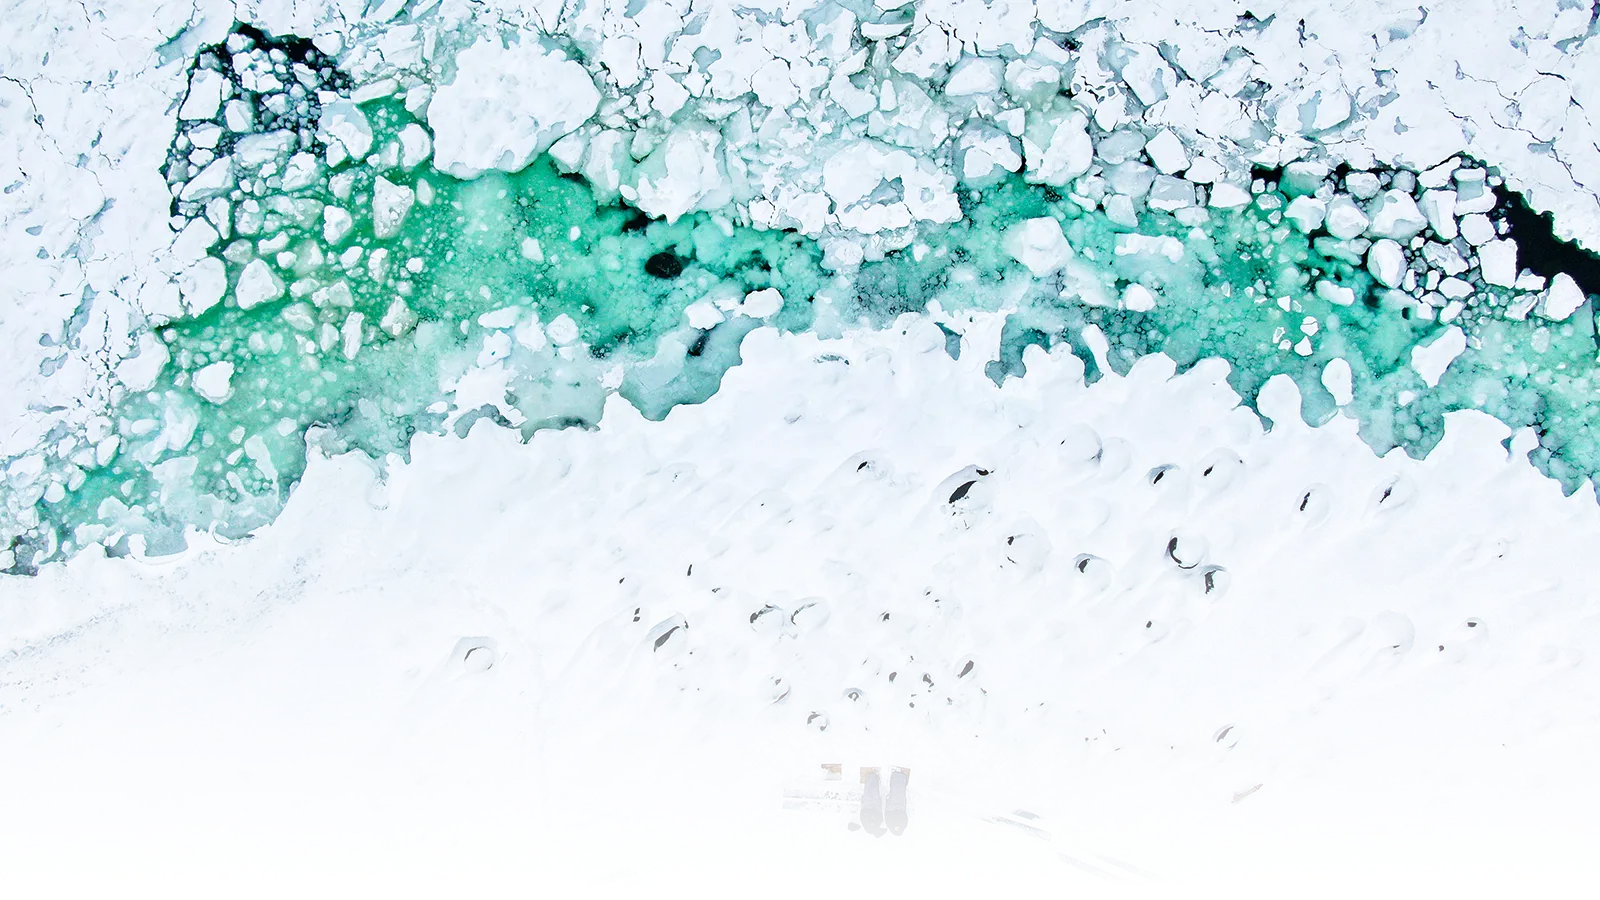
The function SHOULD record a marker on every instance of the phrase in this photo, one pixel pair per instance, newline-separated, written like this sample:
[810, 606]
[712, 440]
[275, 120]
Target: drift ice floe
[343, 288]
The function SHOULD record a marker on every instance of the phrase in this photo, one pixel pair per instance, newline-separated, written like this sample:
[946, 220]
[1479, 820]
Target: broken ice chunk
[257, 284]
[704, 315]
[1438, 176]
[1477, 229]
[1130, 178]
[1038, 244]
[975, 75]
[1120, 146]
[986, 154]
[562, 329]
[882, 31]
[390, 204]
[1364, 185]
[1519, 307]
[506, 105]
[1387, 262]
[344, 122]
[1431, 359]
[1031, 82]
[1146, 73]
[766, 302]
[1205, 171]
[1119, 209]
[505, 317]
[214, 381]
[1472, 195]
[1137, 298]
[1499, 262]
[685, 172]
[1333, 293]
[336, 224]
[1303, 178]
[192, 243]
[203, 284]
[205, 95]
[350, 335]
[1171, 193]
[300, 172]
[398, 319]
[213, 181]
[1225, 195]
[1562, 299]
[336, 294]
[237, 116]
[1396, 216]
[774, 85]
[1149, 245]
[1345, 219]
[1337, 378]
[1455, 289]
[1111, 112]
[1439, 206]
[1444, 258]
[299, 316]
[415, 145]
[256, 150]
[1067, 152]
[1306, 213]
[1167, 152]
[205, 136]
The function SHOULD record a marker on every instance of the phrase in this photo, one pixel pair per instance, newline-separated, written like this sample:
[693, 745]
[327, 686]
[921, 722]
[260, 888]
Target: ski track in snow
[1403, 662]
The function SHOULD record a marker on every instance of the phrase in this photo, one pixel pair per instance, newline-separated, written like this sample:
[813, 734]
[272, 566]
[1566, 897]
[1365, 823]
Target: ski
[1128, 867]
[823, 799]
[832, 799]
[610, 879]
[842, 795]
[1096, 871]
[818, 804]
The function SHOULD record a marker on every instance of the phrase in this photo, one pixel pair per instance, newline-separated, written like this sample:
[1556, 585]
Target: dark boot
[895, 808]
[871, 802]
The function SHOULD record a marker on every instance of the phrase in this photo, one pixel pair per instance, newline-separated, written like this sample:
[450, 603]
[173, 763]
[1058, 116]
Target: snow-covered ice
[506, 105]
[1342, 661]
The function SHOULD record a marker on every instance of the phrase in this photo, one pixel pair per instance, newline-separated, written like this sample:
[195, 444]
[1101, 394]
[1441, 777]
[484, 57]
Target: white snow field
[1129, 642]
[1404, 666]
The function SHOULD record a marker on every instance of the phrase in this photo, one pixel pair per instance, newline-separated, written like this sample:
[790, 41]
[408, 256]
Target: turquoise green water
[374, 329]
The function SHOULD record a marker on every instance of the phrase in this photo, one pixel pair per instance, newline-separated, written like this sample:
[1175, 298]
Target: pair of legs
[877, 810]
